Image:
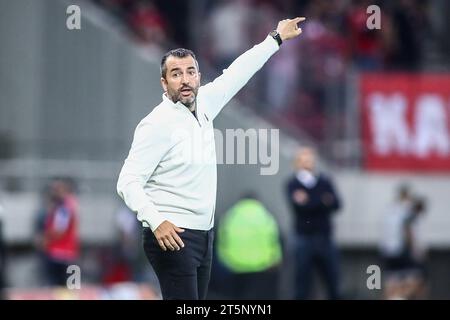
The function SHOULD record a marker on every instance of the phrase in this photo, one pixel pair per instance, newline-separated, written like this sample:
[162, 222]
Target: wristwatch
[274, 34]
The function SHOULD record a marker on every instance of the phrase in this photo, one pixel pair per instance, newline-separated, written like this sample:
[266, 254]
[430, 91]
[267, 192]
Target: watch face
[274, 34]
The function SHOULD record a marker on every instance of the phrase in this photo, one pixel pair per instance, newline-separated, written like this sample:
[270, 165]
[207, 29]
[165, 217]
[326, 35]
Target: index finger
[299, 19]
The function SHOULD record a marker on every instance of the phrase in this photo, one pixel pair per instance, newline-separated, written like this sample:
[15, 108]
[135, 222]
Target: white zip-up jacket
[170, 172]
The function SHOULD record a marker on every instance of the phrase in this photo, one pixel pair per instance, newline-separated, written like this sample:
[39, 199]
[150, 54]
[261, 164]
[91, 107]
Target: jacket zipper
[196, 119]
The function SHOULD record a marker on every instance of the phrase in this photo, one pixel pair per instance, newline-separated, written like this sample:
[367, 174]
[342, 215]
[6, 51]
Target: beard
[178, 95]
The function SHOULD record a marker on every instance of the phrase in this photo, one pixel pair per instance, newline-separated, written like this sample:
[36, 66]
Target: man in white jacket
[163, 180]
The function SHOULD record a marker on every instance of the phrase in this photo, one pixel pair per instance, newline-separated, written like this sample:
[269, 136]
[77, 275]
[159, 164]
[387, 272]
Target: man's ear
[164, 84]
[199, 77]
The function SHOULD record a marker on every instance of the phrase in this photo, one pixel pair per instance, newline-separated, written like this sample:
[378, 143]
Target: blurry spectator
[276, 84]
[325, 48]
[393, 246]
[282, 78]
[118, 260]
[313, 199]
[229, 27]
[47, 204]
[410, 25]
[416, 248]
[249, 246]
[366, 44]
[321, 64]
[262, 17]
[116, 268]
[131, 262]
[403, 248]
[124, 262]
[128, 228]
[148, 24]
[61, 239]
[179, 13]
[117, 7]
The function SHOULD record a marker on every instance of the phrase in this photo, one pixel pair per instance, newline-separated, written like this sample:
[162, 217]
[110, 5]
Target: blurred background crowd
[303, 86]
[372, 105]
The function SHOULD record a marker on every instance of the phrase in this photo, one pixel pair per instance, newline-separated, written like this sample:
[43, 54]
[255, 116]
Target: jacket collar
[166, 100]
[307, 178]
[177, 105]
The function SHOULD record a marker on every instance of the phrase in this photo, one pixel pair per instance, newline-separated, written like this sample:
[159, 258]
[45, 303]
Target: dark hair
[68, 182]
[179, 53]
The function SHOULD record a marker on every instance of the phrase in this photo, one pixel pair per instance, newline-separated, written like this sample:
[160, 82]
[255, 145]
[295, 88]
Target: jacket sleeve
[313, 203]
[336, 201]
[220, 91]
[147, 149]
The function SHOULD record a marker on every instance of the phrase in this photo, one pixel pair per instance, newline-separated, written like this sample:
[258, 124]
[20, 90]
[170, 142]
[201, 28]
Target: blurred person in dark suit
[313, 199]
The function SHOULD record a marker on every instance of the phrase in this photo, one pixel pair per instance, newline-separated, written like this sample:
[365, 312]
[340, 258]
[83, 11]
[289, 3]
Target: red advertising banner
[405, 121]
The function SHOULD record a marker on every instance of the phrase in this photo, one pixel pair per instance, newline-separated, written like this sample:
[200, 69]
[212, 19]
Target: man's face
[57, 191]
[305, 159]
[182, 80]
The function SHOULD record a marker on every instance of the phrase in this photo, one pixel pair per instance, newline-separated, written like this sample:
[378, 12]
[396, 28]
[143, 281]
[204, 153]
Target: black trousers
[317, 251]
[183, 274]
[56, 271]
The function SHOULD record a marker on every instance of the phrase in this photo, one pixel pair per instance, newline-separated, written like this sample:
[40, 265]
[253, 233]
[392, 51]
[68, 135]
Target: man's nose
[185, 79]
